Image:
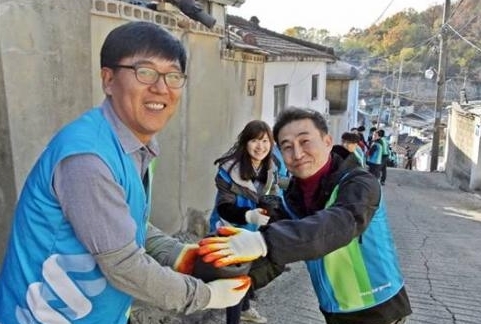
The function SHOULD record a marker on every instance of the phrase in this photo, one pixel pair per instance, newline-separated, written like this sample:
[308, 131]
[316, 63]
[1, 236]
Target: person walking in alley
[369, 137]
[409, 159]
[350, 141]
[374, 156]
[247, 172]
[81, 247]
[338, 225]
[384, 156]
[362, 140]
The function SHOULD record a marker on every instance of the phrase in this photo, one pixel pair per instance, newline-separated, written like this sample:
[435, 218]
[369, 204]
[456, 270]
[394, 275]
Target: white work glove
[236, 245]
[257, 216]
[227, 292]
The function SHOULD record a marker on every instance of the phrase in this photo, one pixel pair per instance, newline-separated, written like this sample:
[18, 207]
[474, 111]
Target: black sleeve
[226, 203]
[232, 213]
[329, 229]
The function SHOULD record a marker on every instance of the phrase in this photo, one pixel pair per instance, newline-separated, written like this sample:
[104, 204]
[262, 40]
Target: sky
[337, 16]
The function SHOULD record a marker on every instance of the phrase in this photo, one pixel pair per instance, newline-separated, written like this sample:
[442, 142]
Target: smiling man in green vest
[338, 226]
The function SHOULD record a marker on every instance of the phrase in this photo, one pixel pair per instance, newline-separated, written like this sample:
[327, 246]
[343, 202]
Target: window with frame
[314, 87]
[280, 98]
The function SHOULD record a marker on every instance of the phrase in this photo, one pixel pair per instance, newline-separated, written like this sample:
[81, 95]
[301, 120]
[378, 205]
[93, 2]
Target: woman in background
[247, 172]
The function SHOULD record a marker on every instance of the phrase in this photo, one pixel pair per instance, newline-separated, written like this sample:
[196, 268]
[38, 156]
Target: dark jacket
[236, 196]
[322, 230]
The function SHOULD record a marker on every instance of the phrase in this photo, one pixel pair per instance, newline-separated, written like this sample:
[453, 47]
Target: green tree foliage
[317, 36]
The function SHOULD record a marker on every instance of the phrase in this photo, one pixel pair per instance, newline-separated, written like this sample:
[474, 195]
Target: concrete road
[437, 229]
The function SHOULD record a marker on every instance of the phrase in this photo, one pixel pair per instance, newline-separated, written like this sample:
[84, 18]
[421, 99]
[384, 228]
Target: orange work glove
[227, 292]
[186, 259]
[236, 245]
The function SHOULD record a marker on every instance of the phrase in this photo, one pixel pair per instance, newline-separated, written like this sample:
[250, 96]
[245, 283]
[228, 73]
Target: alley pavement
[437, 230]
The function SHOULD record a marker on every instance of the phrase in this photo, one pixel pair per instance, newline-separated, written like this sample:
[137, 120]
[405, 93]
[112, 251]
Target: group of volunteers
[81, 247]
[373, 153]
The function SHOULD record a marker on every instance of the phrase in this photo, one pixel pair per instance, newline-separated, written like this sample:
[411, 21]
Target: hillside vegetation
[412, 38]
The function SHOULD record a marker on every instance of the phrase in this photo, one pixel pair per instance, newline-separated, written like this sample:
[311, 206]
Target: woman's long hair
[255, 129]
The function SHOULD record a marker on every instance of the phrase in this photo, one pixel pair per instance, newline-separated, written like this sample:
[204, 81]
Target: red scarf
[309, 185]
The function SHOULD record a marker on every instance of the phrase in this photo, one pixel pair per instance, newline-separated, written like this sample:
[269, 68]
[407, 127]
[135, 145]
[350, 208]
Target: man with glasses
[81, 247]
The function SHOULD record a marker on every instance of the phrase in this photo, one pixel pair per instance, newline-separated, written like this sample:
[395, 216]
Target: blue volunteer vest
[361, 157]
[361, 275]
[376, 157]
[48, 276]
[385, 146]
[241, 201]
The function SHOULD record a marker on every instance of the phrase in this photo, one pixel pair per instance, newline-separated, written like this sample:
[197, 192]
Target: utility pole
[440, 80]
[397, 103]
[381, 107]
[382, 95]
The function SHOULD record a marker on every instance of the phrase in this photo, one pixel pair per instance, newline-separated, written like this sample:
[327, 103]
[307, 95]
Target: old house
[294, 71]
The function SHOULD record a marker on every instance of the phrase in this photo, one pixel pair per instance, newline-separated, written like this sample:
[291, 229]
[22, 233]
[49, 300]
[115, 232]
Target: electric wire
[463, 38]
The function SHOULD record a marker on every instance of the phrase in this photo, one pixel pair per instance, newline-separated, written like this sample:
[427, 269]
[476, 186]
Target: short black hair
[293, 114]
[361, 128]
[380, 132]
[141, 37]
[350, 137]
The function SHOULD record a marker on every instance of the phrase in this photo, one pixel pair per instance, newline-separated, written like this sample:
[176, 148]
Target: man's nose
[160, 85]
[298, 152]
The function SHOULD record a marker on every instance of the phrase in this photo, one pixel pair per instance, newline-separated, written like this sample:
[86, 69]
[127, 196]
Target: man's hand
[186, 259]
[257, 216]
[236, 245]
[227, 292]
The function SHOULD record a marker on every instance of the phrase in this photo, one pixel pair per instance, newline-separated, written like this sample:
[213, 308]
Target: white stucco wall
[298, 77]
[352, 104]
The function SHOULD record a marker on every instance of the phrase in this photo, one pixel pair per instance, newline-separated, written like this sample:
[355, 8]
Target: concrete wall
[463, 164]
[45, 81]
[214, 110]
[49, 74]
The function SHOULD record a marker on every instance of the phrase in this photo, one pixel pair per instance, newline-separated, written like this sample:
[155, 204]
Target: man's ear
[328, 140]
[107, 77]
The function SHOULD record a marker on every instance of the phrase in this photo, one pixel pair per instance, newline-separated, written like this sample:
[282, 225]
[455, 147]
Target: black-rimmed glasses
[146, 75]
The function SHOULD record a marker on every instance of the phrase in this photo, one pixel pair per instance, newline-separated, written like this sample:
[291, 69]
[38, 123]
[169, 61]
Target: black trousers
[375, 169]
[384, 168]
[233, 313]
[409, 164]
